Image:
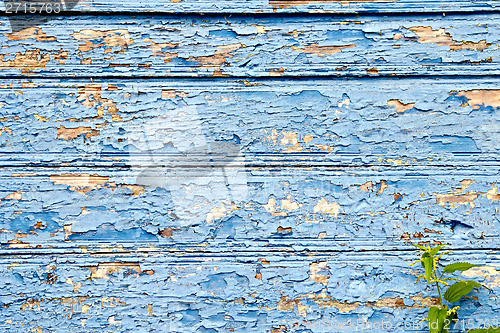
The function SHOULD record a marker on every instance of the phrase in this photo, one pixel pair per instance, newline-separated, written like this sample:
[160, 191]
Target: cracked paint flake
[480, 97]
[27, 62]
[84, 183]
[420, 302]
[218, 213]
[172, 93]
[319, 272]
[286, 204]
[31, 33]
[400, 107]
[81, 183]
[104, 270]
[322, 51]
[95, 39]
[73, 133]
[158, 50]
[213, 47]
[91, 96]
[14, 196]
[220, 56]
[442, 38]
[460, 197]
[325, 207]
[321, 299]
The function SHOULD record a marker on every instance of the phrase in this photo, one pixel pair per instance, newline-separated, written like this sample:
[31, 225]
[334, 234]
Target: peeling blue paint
[121, 208]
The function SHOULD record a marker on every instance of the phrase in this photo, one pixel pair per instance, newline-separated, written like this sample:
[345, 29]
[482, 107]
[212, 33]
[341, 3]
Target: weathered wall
[259, 168]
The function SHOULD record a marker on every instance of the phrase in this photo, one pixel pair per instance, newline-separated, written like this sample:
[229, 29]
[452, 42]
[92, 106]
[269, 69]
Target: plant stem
[439, 292]
[439, 289]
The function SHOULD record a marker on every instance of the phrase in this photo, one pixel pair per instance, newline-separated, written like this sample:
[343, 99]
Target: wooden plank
[281, 6]
[317, 122]
[250, 46]
[265, 292]
[284, 209]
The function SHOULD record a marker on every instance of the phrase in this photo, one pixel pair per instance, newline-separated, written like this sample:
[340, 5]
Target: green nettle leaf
[436, 319]
[427, 263]
[485, 330]
[460, 289]
[433, 320]
[442, 315]
[458, 266]
[435, 250]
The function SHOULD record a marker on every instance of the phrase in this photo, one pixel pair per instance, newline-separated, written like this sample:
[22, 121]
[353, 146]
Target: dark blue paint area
[107, 233]
[453, 144]
[26, 222]
[226, 228]
[215, 283]
[223, 33]
[190, 317]
[346, 36]
[454, 97]
[350, 145]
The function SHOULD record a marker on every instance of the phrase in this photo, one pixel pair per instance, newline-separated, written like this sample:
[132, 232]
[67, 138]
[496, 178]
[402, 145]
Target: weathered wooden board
[384, 121]
[282, 209]
[250, 170]
[251, 46]
[282, 6]
[262, 291]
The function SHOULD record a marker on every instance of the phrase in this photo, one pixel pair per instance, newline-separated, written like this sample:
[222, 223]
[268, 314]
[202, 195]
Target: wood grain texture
[281, 209]
[262, 168]
[268, 292]
[285, 6]
[250, 46]
[387, 122]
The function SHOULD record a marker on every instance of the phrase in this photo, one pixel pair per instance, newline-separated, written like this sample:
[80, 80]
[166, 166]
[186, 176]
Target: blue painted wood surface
[253, 46]
[246, 292]
[283, 6]
[388, 122]
[266, 172]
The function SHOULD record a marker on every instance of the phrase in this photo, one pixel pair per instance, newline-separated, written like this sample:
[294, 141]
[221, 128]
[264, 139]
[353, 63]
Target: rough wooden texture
[356, 122]
[261, 291]
[282, 209]
[284, 6]
[249, 46]
[174, 172]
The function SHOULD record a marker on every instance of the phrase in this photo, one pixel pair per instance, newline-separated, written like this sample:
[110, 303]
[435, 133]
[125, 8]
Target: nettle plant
[443, 317]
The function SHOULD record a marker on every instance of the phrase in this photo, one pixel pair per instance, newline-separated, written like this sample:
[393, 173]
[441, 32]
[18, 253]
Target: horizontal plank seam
[271, 166]
[230, 77]
[332, 14]
[234, 252]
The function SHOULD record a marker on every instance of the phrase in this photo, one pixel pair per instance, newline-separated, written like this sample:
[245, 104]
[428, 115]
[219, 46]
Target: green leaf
[456, 291]
[432, 317]
[435, 250]
[436, 319]
[458, 266]
[485, 330]
[427, 263]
